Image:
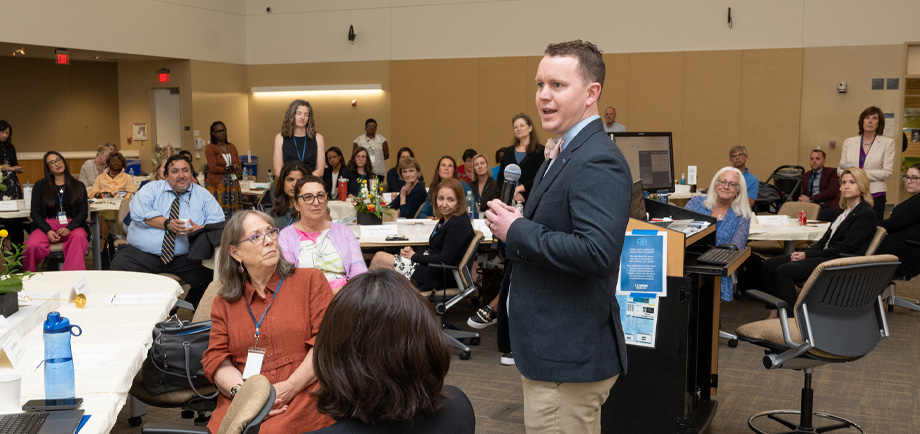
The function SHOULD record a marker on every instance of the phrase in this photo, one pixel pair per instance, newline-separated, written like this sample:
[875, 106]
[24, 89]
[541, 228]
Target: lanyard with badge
[300, 154]
[62, 216]
[256, 354]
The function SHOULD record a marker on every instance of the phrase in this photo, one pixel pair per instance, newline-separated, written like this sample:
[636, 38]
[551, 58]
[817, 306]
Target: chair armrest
[912, 243]
[184, 305]
[767, 299]
[443, 266]
[172, 428]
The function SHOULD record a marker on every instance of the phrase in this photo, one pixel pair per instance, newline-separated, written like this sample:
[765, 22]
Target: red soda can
[343, 189]
[803, 219]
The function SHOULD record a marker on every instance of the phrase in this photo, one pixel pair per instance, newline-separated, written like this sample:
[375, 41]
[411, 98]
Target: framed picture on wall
[140, 131]
[915, 136]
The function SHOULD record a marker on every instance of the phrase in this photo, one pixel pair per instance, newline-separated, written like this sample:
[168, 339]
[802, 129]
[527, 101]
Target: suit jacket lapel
[546, 177]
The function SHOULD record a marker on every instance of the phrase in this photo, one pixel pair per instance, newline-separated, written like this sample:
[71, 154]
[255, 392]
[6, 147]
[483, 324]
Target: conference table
[789, 233]
[121, 310]
[95, 207]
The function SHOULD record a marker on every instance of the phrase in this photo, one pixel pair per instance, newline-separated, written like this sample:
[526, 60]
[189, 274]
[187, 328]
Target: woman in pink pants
[59, 210]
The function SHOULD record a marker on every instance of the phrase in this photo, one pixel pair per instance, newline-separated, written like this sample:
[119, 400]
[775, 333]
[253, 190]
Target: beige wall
[65, 108]
[219, 93]
[336, 119]
[136, 81]
[828, 115]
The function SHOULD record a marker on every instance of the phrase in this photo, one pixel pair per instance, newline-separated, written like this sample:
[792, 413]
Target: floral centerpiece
[10, 282]
[369, 203]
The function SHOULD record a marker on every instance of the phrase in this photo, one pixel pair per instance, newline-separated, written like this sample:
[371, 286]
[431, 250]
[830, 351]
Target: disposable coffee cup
[10, 388]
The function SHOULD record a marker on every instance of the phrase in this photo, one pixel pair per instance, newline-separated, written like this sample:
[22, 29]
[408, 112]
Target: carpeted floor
[881, 392]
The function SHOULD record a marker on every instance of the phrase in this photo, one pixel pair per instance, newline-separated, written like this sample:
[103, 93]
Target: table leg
[716, 307]
[97, 250]
[788, 247]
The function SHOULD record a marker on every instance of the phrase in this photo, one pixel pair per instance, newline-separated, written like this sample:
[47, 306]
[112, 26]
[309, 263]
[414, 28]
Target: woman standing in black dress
[525, 151]
[298, 140]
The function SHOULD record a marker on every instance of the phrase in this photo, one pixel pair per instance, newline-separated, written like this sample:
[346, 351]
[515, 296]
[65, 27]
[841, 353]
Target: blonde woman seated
[265, 307]
[315, 242]
[447, 244]
[727, 201]
[114, 179]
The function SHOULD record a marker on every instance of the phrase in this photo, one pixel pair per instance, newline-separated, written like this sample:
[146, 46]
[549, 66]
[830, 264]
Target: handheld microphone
[512, 175]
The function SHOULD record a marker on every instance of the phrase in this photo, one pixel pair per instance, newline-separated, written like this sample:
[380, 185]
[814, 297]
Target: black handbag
[174, 359]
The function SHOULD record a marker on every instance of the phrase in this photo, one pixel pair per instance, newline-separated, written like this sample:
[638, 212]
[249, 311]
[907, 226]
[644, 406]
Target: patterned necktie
[169, 239]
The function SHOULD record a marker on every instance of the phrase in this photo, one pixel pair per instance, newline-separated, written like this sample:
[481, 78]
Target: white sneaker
[507, 359]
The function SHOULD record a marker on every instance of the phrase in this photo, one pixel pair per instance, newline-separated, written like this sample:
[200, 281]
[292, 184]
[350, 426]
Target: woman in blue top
[447, 169]
[727, 201]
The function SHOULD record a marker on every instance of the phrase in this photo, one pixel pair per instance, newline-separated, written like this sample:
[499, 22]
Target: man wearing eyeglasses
[163, 214]
[821, 185]
[738, 156]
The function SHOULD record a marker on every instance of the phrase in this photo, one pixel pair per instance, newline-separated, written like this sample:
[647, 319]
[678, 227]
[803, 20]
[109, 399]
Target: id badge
[253, 362]
[233, 177]
[62, 218]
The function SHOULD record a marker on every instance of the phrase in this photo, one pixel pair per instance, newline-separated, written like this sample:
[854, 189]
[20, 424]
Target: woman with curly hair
[298, 139]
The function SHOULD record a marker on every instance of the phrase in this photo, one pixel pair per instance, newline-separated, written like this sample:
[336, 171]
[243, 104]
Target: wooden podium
[668, 388]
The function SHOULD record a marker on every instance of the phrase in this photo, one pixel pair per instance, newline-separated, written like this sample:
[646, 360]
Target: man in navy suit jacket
[828, 194]
[564, 252]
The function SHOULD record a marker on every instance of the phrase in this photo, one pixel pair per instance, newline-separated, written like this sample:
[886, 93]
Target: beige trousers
[564, 408]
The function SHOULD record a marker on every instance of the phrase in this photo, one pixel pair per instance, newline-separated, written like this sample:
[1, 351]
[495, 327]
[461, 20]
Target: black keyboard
[22, 423]
[718, 256]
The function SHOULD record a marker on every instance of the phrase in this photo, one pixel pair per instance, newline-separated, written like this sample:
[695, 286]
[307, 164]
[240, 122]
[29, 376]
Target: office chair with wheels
[839, 318]
[186, 399]
[444, 299]
[247, 411]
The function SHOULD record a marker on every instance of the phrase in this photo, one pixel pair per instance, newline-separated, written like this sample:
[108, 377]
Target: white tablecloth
[791, 232]
[127, 328]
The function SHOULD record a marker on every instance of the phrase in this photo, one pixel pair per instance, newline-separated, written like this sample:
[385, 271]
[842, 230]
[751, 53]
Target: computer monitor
[650, 157]
[637, 204]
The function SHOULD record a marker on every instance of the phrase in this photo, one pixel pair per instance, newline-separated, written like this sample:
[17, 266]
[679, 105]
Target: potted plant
[10, 282]
[369, 203]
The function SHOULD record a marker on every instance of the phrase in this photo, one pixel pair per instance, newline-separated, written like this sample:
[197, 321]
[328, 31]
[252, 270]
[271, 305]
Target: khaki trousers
[569, 408]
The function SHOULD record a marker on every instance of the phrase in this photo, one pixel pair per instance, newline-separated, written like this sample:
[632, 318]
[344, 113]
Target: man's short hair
[590, 60]
[738, 148]
[369, 121]
[172, 160]
[823, 155]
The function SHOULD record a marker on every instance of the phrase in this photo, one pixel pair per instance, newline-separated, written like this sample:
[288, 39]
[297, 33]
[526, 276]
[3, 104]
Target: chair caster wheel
[732, 343]
[464, 355]
[474, 341]
[135, 421]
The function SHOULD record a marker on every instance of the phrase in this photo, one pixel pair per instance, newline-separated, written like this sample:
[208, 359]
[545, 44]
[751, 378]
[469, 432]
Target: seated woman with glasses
[59, 211]
[904, 225]
[447, 244]
[114, 179]
[315, 242]
[361, 366]
[850, 234]
[265, 320]
[727, 201]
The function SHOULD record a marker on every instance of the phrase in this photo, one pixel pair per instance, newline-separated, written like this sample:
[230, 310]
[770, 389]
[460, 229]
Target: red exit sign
[62, 57]
[163, 75]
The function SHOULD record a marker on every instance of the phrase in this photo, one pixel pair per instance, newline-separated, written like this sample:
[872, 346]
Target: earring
[241, 268]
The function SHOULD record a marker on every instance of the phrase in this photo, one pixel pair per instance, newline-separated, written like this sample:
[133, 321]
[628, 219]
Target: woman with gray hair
[727, 201]
[264, 321]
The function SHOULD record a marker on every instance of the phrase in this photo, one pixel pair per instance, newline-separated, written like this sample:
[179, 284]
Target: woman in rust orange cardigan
[223, 165]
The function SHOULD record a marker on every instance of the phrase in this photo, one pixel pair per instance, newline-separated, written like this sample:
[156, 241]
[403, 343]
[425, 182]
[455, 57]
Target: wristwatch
[234, 389]
[166, 224]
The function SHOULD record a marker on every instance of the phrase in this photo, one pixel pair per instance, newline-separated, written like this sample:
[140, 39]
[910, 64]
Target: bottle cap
[56, 324]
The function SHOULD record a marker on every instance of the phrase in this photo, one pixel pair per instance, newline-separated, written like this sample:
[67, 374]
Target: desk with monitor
[668, 388]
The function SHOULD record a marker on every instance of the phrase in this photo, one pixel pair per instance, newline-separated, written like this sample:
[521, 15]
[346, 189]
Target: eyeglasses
[258, 238]
[319, 198]
[733, 156]
[910, 178]
[55, 161]
[724, 183]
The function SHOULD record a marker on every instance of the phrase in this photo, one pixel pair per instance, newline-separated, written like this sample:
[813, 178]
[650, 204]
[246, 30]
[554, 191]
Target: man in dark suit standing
[821, 185]
[564, 252]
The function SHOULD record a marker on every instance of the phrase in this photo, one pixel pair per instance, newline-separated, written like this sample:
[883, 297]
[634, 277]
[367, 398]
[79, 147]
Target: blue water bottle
[59, 380]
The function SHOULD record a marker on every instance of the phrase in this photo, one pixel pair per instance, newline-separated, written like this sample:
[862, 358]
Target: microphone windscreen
[512, 172]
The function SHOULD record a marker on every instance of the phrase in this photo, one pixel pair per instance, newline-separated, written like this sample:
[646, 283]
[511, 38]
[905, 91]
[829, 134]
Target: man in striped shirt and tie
[163, 214]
